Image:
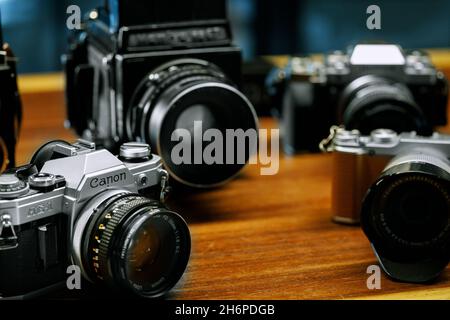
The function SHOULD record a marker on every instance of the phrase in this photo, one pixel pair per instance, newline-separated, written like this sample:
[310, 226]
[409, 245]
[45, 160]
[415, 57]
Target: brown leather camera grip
[352, 177]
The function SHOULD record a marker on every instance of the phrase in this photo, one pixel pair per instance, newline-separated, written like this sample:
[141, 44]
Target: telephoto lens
[406, 216]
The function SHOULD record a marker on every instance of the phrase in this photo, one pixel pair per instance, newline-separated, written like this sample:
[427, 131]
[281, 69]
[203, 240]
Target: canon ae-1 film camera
[372, 86]
[139, 70]
[405, 183]
[74, 205]
[10, 106]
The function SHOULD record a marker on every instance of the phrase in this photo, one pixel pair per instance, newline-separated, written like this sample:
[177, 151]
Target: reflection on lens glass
[197, 112]
[417, 210]
[143, 253]
[152, 254]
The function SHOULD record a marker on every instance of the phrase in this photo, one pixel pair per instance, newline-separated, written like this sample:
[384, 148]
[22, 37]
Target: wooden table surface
[258, 237]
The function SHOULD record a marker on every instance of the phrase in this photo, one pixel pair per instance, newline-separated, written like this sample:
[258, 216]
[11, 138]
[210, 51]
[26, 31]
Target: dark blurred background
[37, 29]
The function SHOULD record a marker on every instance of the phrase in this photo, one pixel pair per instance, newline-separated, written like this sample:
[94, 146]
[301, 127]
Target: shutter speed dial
[41, 180]
[45, 182]
[135, 151]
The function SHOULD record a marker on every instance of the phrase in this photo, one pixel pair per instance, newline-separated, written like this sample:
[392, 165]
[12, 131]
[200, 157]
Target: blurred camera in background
[372, 86]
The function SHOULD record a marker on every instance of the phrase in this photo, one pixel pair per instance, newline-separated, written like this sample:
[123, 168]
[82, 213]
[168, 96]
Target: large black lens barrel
[193, 97]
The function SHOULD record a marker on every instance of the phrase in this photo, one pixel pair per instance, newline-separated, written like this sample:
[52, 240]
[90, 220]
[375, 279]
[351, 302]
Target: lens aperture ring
[103, 233]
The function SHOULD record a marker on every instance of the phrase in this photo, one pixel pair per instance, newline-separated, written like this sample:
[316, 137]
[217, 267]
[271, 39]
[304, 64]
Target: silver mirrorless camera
[74, 205]
[398, 187]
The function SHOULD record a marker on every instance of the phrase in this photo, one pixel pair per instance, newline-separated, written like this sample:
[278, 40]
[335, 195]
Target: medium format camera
[74, 205]
[10, 106]
[400, 186]
[372, 86]
[139, 71]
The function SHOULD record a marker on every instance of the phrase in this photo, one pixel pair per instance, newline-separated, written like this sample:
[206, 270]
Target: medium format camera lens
[176, 95]
[406, 216]
[133, 243]
[369, 103]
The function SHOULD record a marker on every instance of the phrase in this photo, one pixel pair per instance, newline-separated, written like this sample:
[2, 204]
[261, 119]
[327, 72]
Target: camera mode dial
[12, 187]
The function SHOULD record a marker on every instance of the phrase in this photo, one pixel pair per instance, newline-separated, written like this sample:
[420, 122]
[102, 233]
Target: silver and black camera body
[398, 186]
[140, 70]
[372, 86]
[74, 205]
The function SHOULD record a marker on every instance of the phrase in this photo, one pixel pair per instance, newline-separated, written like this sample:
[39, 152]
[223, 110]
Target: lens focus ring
[118, 212]
[104, 230]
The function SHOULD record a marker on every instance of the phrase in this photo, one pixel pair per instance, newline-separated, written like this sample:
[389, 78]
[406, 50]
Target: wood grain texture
[258, 237]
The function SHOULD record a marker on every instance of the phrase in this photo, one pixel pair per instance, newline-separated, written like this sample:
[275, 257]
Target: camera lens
[371, 102]
[176, 96]
[406, 216]
[133, 243]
